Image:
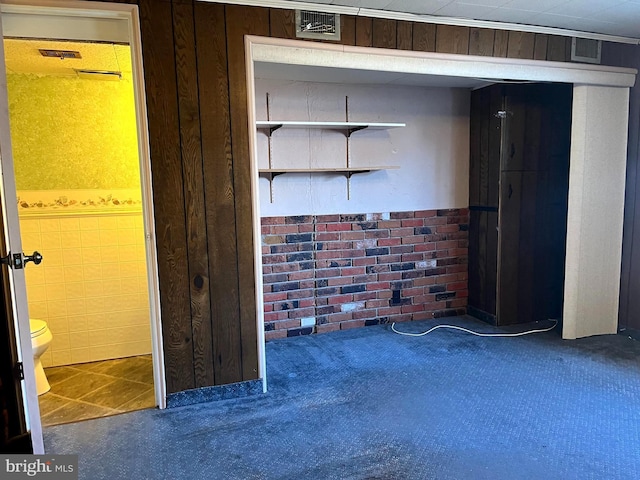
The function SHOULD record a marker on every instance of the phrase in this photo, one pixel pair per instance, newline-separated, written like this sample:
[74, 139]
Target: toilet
[40, 339]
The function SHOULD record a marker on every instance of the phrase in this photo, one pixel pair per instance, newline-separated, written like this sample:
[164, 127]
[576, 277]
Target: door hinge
[13, 260]
[19, 371]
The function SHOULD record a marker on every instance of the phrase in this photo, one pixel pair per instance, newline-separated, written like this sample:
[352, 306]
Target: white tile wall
[91, 287]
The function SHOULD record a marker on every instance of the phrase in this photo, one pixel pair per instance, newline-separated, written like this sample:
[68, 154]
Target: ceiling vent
[586, 50]
[317, 25]
[62, 54]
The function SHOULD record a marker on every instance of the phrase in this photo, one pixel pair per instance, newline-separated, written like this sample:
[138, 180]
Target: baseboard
[482, 315]
[218, 392]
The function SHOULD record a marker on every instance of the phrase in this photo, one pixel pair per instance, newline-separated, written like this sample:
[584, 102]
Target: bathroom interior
[75, 149]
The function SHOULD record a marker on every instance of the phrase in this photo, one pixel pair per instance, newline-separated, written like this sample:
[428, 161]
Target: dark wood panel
[189, 115]
[494, 140]
[164, 141]
[404, 36]
[452, 39]
[282, 23]
[424, 37]
[242, 21]
[383, 33]
[521, 45]
[557, 48]
[481, 41]
[219, 190]
[475, 146]
[540, 47]
[364, 31]
[347, 29]
[501, 43]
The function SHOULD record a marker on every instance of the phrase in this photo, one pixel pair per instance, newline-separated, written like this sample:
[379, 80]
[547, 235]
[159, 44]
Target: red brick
[389, 311]
[352, 235]
[389, 242]
[275, 334]
[412, 292]
[385, 294]
[382, 259]
[376, 303]
[413, 308]
[389, 224]
[306, 227]
[425, 213]
[267, 307]
[327, 218]
[358, 262]
[338, 227]
[402, 249]
[327, 327]
[428, 298]
[273, 259]
[376, 234]
[340, 281]
[447, 228]
[275, 297]
[286, 267]
[308, 302]
[426, 315]
[358, 297]
[339, 299]
[339, 317]
[364, 314]
[295, 294]
[448, 278]
[424, 247]
[412, 257]
[272, 221]
[327, 236]
[435, 221]
[396, 215]
[423, 281]
[458, 252]
[302, 312]
[458, 302]
[413, 239]
[414, 222]
[328, 273]
[301, 275]
[273, 316]
[390, 276]
[286, 324]
[351, 324]
[285, 229]
[401, 232]
[378, 286]
[405, 317]
[352, 271]
[452, 287]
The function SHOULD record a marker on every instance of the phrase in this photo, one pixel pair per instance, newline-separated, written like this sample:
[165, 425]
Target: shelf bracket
[355, 129]
[273, 129]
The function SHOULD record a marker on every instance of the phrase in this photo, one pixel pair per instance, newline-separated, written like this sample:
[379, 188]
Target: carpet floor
[370, 404]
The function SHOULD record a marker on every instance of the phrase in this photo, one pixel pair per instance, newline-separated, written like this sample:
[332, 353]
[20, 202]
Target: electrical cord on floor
[478, 334]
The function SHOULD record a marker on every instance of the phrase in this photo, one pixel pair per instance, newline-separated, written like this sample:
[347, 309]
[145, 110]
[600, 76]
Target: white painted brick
[427, 264]
[307, 321]
[350, 307]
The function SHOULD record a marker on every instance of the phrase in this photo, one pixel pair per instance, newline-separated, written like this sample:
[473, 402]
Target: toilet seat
[37, 327]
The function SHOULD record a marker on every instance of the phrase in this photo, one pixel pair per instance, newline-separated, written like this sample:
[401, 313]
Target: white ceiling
[610, 17]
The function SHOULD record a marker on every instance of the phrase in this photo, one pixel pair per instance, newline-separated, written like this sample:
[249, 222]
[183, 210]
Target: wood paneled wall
[197, 106]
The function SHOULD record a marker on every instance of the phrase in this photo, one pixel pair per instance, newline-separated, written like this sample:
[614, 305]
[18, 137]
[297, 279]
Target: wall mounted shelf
[270, 126]
[347, 127]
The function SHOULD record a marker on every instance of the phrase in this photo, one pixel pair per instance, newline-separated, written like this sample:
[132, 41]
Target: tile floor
[97, 389]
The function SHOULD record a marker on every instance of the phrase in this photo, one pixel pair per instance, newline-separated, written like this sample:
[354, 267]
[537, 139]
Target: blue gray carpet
[370, 404]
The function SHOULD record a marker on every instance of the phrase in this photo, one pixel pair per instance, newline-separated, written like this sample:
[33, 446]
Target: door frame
[130, 13]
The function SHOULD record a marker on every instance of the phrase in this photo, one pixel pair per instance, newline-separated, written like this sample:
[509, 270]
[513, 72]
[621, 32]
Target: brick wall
[344, 271]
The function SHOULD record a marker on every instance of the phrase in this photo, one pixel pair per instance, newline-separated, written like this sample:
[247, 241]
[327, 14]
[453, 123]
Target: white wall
[432, 151]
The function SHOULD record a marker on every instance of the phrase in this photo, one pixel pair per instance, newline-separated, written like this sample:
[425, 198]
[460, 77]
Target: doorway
[77, 169]
[117, 25]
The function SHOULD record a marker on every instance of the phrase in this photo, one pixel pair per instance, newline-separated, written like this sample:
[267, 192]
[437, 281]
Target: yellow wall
[71, 133]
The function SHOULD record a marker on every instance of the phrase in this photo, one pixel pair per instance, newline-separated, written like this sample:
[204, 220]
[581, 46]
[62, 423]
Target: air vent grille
[586, 50]
[59, 53]
[317, 25]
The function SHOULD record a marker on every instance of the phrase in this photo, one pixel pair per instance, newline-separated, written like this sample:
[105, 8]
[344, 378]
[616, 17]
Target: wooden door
[534, 186]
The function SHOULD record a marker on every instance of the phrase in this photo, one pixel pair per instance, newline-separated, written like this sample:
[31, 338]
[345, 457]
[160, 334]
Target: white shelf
[349, 127]
[350, 170]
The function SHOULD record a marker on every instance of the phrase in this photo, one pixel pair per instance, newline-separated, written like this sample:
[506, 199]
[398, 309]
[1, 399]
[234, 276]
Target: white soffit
[308, 54]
